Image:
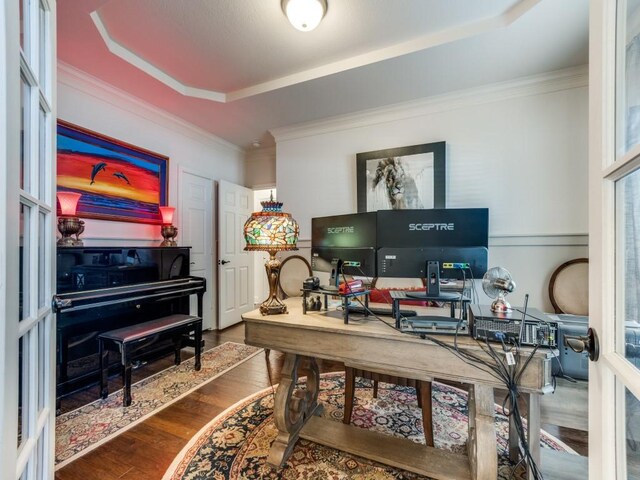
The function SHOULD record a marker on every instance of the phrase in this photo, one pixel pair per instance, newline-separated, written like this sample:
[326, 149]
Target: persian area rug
[235, 444]
[82, 430]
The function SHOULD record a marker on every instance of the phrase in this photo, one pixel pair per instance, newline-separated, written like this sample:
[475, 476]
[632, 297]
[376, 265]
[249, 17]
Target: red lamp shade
[167, 215]
[68, 203]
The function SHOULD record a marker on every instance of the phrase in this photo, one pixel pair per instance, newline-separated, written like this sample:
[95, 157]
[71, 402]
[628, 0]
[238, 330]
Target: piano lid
[104, 297]
[91, 268]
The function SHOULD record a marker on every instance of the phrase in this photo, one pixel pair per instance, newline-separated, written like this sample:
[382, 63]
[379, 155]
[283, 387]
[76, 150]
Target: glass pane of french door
[25, 261]
[625, 360]
[628, 267]
[23, 8]
[628, 77]
[631, 430]
[25, 100]
[627, 316]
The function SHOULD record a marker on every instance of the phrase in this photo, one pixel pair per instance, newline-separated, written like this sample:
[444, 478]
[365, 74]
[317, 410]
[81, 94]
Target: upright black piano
[104, 288]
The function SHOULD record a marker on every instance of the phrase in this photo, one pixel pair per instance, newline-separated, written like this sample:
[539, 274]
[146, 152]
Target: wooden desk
[368, 344]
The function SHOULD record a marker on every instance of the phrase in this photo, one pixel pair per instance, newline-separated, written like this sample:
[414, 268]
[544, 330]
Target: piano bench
[130, 340]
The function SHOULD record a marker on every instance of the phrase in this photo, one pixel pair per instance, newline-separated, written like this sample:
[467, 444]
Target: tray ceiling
[238, 68]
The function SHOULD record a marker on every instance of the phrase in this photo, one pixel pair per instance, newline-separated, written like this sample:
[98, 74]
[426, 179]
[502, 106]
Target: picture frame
[402, 178]
[118, 181]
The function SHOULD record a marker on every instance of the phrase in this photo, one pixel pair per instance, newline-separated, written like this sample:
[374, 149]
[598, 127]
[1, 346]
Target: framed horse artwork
[402, 178]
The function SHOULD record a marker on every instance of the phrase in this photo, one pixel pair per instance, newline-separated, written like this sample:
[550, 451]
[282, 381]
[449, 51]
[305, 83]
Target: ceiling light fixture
[305, 15]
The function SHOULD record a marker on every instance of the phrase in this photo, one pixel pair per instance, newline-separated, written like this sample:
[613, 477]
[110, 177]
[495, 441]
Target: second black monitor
[456, 238]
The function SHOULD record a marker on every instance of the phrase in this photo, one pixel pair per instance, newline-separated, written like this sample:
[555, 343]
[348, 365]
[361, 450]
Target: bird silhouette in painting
[97, 168]
[122, 176]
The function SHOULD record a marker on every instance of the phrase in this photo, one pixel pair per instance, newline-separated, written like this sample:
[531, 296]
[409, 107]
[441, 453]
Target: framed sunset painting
[117, 181]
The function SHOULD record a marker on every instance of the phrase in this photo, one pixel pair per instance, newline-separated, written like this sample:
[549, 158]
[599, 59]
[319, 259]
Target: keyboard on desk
[381, 312]
[434, 325]
[444, 297]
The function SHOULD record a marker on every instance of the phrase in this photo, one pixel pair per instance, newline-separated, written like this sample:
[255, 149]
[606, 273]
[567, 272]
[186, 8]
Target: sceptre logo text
[333, 230]
[431, 226]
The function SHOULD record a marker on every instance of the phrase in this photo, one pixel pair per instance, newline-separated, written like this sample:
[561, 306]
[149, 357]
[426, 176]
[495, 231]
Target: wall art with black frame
[402, 178]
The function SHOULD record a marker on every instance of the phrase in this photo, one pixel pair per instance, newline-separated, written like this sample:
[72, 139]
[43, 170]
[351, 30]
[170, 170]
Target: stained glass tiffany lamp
[271, 230]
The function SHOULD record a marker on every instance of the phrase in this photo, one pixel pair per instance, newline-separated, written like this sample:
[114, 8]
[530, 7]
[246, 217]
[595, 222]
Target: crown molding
[574, 77]
[128, 56]
[93, 86]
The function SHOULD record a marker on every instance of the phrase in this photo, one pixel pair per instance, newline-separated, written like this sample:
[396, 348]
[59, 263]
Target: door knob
[589, 343]
[223, 262]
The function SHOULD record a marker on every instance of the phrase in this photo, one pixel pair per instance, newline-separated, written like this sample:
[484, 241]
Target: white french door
[27, 239]
[614, 238]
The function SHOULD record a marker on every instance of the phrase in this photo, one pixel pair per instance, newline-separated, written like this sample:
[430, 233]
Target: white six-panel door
[235, 269]
[27, 239]
[196, 220]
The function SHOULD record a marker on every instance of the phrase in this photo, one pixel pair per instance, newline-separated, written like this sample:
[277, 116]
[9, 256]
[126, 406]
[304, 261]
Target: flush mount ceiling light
[305, 15]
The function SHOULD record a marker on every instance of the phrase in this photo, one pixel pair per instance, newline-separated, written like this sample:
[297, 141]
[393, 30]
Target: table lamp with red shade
[68, 222]
[169, 232]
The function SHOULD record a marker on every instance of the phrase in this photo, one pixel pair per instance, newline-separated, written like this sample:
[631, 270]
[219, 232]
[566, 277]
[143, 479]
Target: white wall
[261, 167]
[518, 148]
[92, 104]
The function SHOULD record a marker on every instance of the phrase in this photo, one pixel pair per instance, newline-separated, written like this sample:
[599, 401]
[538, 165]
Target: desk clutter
[313, 304]
[498, 323]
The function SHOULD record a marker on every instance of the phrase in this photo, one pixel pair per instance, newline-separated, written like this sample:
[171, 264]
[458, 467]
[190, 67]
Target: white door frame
[212, 282]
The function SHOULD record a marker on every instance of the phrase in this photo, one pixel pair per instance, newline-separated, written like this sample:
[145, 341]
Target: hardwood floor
[147, 450]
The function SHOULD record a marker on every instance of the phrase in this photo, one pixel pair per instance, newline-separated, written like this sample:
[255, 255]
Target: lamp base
[69, 226]
[169, 232]
[272, 305]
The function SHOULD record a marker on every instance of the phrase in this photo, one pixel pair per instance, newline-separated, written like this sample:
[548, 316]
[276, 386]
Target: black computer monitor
[344, 244]
[428, 243]
[433, 244]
